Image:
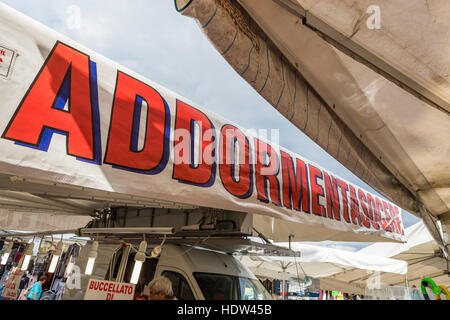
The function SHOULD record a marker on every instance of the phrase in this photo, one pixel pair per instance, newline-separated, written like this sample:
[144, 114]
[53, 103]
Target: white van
[196, 273]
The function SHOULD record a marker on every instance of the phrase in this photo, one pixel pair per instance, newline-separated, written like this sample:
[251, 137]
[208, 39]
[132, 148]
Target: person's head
[160, 289]
[42, 279]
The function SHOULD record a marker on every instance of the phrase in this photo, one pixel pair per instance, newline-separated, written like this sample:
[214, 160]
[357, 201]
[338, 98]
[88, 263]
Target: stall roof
[377, 100]
[322, 262]
[420, 252]
[317, 261]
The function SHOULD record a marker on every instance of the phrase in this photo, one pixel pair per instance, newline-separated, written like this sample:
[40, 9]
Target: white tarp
[318, 262]
[420, 252]
[70, 116]
[416, 235]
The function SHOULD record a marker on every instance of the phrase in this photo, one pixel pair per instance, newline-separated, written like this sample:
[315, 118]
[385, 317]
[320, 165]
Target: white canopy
[317, 261]
[322, 262]
[420, 252]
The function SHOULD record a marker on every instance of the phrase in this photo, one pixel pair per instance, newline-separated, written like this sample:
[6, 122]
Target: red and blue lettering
[354, 208]
[367, 214]
[316, 191]
[374, 212]
[332, 197]
[121, 150]
[67, 75]
[242, 185]
[397, 222]
[202, 173]
[266, 170]
[295, 183]
[389, 218]
[380, 213]
[344, 189]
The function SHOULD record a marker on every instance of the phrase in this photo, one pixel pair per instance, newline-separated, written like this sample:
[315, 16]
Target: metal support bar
[155, 230]
[90, 231]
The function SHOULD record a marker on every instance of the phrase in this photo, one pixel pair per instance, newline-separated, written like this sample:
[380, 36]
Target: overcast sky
[153, 39]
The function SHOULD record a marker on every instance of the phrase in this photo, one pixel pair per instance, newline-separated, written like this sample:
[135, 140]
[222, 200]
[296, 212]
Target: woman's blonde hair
[161, 284]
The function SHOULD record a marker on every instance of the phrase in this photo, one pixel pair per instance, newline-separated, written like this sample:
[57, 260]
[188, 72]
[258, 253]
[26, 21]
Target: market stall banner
[70, 115]
[108, 290]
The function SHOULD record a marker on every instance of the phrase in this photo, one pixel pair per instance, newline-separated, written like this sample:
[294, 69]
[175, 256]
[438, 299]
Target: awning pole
[90, 231]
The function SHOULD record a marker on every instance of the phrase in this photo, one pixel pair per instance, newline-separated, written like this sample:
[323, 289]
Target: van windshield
[226, 287]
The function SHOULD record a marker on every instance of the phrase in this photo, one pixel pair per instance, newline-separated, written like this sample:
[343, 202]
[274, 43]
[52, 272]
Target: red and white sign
[76, 117]
[12, 284]
[109, 290]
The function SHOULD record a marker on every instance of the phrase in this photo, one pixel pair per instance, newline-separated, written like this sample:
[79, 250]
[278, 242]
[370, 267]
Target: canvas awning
[377, 100]
[420, 252]
[318, 261]
[322, 262]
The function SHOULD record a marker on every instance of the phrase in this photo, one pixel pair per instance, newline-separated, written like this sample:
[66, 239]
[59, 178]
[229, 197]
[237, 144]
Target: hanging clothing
[268, 285]
[22, 285]
[4, 277]
[19, 253]
[72, 251]
[59, 271]
[38, 269]
[22, 293]
[31, 265]
[24, 282]
[41, 264]
[58, 288]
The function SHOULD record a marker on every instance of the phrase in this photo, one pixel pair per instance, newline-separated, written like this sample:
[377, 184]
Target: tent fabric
[416, 234]
[324, 263]
[358, 260]
[420, 252]
[378, 26]
[317, 261]
[389, 138]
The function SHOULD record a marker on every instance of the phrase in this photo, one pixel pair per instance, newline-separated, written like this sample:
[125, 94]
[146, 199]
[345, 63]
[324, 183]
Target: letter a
[64, 75]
